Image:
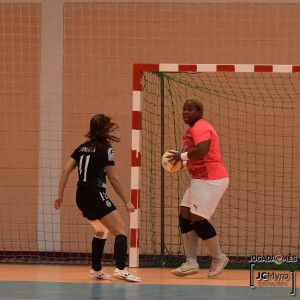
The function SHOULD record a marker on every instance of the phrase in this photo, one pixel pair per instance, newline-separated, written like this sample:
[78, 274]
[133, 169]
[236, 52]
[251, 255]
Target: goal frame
[138, 70]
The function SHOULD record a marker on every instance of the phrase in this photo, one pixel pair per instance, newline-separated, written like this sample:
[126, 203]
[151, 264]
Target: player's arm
[194, 154]
[69, 167]
[116, 184]
[198, 152]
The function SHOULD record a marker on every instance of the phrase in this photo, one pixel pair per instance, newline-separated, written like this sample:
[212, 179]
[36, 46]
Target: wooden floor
[58, 273]
[71, 282]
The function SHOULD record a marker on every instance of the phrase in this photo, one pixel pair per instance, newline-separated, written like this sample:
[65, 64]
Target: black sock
[97, 252]
[120, 251]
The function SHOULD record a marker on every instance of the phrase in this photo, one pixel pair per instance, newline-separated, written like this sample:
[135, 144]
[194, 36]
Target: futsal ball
[167, 165]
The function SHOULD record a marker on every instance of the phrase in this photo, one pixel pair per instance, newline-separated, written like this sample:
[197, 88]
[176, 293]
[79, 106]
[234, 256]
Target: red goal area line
[138, 70]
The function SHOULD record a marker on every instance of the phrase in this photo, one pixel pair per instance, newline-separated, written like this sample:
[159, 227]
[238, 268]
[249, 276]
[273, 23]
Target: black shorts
[93, 203]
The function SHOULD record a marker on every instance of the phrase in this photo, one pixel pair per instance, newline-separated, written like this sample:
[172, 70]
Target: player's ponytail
[101, 129]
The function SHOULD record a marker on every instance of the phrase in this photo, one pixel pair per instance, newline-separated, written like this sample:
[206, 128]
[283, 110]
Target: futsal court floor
[65, 282]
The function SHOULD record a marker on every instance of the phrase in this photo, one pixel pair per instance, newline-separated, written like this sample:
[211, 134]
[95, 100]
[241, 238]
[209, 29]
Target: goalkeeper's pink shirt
[211, 166]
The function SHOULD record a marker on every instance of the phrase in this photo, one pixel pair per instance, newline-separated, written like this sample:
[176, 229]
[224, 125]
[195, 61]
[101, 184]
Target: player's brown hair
[101, 129]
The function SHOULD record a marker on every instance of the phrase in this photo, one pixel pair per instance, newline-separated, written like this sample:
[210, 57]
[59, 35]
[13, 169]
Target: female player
[201, 152]
[95, 159]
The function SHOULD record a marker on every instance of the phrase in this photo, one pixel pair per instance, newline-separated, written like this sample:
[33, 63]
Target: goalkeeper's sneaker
[124, 274]
[99, 275]
[185, 269]
[217, 265]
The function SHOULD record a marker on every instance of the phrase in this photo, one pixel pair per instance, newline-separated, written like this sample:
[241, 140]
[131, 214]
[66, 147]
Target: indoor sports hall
[63, 61]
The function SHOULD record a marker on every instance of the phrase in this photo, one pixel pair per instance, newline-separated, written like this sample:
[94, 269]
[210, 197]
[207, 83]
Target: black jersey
[91, 162]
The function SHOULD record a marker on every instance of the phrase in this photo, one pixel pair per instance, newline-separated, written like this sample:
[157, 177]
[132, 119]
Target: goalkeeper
[202, 155]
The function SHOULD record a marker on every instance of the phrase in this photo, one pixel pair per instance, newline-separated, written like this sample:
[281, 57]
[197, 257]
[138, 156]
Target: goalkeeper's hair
[198, 103]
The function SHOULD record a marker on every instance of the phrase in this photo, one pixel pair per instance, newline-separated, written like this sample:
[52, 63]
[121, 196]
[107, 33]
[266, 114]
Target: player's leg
[116, 226]
[98, 244]
[207, 233]
[190, 266]
[92, 210]
[190, 244]
[203, 208]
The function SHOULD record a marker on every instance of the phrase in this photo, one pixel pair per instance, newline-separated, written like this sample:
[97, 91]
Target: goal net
[256, 113]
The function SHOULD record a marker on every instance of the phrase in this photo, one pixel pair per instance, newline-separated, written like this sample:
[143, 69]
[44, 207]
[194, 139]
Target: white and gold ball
[168, 165]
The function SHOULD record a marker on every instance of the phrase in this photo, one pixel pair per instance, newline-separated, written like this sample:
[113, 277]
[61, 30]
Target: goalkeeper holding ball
[202, 154]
